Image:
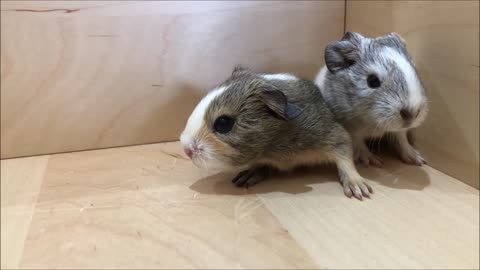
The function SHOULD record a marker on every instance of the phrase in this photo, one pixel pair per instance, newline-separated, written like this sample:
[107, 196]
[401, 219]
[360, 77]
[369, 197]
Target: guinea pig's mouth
[196, 154]
[199, 161]
[408, 124]
[389, 124]
[209, 164]
[417, 121]
[203, 158]
[402, 126]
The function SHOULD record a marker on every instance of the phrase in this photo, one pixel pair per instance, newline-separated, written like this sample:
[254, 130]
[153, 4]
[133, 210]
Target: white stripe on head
[320, 79]
[281, 76]
[197, 118]
[415, 97]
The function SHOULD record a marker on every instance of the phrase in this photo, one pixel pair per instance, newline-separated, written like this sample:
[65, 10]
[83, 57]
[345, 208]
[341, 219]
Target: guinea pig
[372, 87]
[255, 124]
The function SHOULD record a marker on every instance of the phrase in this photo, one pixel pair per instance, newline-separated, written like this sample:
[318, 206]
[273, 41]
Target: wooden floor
[148, 207]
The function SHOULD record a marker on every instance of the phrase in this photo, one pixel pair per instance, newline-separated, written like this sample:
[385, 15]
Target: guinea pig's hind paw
[250, 177]
[357, 189]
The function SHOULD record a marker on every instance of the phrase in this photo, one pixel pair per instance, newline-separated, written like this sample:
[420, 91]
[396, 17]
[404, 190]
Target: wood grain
[142, 214]
[21, 181]
[443, 38]
[148, 207]
[79, 75]
[403, 226]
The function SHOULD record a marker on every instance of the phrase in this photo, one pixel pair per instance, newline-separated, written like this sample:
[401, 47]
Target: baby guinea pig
[256, 123]
[373, 88]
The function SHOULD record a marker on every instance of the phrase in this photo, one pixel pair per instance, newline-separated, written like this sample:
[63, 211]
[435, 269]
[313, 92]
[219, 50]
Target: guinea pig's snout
[409, 115]
[190, 149]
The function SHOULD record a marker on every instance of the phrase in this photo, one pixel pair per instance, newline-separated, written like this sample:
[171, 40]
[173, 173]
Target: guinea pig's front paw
[357, 187]
[364, 156]
[251, 177]
[411, 156]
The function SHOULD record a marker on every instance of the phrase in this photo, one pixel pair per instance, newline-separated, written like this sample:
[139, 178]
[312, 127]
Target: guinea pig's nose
[188, 151]
[406, 114]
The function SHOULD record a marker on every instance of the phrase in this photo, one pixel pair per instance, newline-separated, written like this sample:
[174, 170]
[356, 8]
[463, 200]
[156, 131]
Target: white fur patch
[320, 78]
[196, 119]
[415, 97]
[379, 70]
[281, 76]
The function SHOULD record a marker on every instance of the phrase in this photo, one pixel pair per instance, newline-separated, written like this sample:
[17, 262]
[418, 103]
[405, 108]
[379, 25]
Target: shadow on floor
[295, 182]
[394, 175]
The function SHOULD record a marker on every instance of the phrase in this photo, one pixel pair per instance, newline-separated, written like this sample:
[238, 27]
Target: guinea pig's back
[317, 121]
[305, 94]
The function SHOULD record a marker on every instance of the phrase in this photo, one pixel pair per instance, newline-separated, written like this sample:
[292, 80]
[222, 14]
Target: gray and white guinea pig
[372, 86]
[259, 123]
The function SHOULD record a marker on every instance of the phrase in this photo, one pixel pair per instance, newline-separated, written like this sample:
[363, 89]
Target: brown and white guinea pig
[373, 88]
[256, 123]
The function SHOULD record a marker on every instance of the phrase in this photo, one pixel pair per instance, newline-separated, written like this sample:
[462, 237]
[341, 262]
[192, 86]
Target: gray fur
[367, 112]
[281, 121]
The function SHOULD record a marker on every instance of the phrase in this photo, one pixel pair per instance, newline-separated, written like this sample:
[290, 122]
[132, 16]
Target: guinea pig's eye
[223, 124]
[373, 81]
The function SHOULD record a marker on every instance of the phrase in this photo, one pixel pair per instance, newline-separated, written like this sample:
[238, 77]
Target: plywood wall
[79, 75]
[443, 38]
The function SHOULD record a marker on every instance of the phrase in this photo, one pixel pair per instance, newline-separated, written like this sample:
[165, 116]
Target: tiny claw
[369, 159]
[357, 192]
[365, 192]
[411, 156]
[358, 189]
[347, 192]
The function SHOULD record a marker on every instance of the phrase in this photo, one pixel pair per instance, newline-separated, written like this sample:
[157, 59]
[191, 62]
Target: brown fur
[280, 123]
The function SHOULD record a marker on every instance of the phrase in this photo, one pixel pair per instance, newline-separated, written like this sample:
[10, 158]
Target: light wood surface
[79, 75]
[443, 38]
[21, 183]
[149, 207]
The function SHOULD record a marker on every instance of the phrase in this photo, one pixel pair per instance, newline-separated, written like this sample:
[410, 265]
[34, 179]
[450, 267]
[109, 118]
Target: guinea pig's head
[377, 80]
[237, 122]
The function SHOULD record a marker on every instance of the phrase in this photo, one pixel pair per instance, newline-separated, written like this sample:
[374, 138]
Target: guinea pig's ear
[278, 103]
[392, 39]
[353, 37]
[397, 38]
[344, 53]
[239, 69]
